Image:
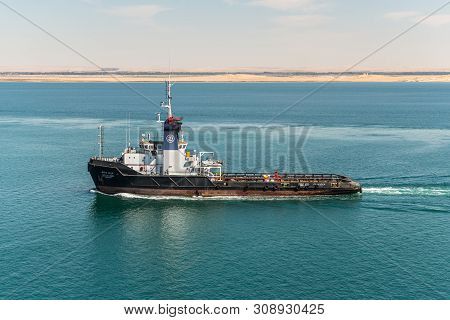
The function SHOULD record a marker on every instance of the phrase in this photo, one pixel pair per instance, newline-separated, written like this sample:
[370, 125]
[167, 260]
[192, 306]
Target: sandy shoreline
[239, 77]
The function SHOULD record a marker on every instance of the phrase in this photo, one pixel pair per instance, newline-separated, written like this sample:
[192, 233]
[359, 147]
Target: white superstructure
[170, 156]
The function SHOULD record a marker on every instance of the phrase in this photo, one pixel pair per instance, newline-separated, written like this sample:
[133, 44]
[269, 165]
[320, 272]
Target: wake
[412, 191]
[388, 191]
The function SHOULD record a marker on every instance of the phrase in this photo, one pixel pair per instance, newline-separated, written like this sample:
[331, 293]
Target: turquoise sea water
[59, 240]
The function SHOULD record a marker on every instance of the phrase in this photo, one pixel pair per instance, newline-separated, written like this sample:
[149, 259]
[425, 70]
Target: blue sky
[315, 35]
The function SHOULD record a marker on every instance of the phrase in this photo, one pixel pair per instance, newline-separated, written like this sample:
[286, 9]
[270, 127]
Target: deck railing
[106, 159]
[283, 176]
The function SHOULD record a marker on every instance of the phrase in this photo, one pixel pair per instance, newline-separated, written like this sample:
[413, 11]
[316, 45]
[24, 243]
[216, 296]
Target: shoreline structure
[114, 76]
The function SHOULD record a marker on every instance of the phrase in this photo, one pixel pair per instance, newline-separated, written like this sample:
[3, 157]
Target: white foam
[414, 191]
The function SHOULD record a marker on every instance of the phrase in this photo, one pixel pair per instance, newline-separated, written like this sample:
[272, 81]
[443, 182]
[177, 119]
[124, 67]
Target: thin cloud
[283, 4]
[144, 11]
[303, 20]
[438, 20]
[413, 16]
[401, 15]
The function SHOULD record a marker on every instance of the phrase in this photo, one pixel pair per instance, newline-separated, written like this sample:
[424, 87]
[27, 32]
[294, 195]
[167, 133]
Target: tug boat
[168, 168]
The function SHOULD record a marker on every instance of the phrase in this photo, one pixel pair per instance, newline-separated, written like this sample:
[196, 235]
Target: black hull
[113, 177]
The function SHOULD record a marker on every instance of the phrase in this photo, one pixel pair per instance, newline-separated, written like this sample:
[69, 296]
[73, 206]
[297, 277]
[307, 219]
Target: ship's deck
[283, 176]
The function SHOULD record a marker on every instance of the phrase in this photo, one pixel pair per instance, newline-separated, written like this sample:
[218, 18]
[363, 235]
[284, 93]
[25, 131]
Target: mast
[169, 99]
[101, 134]
[129, 131]
[168, 103]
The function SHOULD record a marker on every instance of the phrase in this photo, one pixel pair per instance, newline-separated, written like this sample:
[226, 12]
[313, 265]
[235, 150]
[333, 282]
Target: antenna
[138, 137]
[168, 103]
[101, 134]
[126, 134]
[170, 65]
[169, 97]
[129, 130]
